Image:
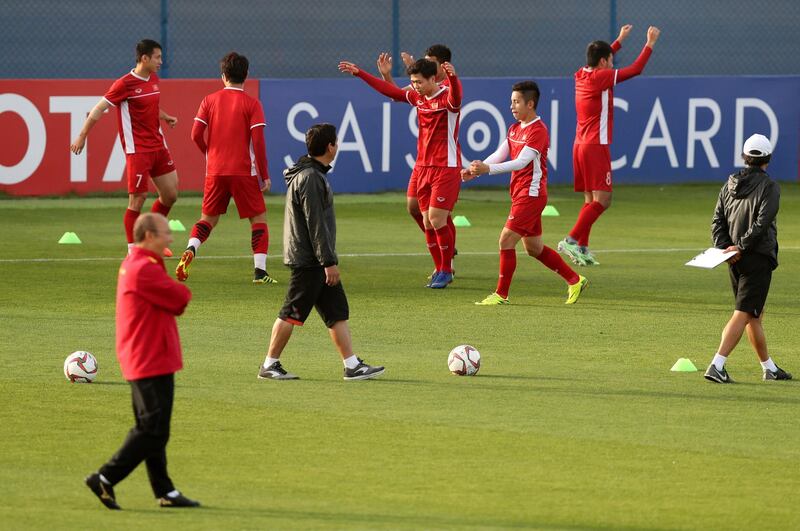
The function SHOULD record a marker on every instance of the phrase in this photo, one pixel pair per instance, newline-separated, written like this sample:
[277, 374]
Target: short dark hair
[423, 67]
[440, 52]
[529, 91]
[597, 50]
[319, 137]
[146, 47]
[750, 160]
[235, 67]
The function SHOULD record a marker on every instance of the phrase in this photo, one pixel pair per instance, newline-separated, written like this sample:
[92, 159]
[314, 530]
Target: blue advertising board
[666, 129]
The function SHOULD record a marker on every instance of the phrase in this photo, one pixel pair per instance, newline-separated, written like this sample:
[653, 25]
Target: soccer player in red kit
[438, 162]
[591, 156]
[136, 96]
[236, 164]
[439, 54]
[526, 145]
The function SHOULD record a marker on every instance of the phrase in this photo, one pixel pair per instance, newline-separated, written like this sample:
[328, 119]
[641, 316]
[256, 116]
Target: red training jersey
[148, 300]
[136, 100]
[530, 181]
[230, 115]
[437, 143]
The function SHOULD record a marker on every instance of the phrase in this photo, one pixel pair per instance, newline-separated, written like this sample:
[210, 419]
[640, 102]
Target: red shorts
[525, 217]
[592, 167]
[437, 187]
[412, 184]
[141, 167]
[244, 189]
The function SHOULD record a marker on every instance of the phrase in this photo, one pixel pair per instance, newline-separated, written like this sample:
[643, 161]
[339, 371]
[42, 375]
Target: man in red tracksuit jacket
[149, 353]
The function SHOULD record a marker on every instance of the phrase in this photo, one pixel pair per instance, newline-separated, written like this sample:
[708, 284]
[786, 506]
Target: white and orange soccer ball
[80, 367]
[464, 360]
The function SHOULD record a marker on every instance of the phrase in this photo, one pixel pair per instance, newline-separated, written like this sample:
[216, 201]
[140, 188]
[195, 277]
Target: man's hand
[652, 35]
[266, 185]
[466, 176]
[78, 144]
[448, 69]
[171, 120]
[478, 167]
[385, 64]
[348, 68]
[624, 31]
[332, 275]
[407, 58]
[735, 258]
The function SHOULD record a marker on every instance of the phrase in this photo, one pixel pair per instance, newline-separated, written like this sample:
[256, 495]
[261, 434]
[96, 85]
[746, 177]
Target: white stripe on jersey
[127, 131]
[252, 159]
[452, 149]
[604, 118]
[163, 138]
[144, 95]
[199, 120]
[252, 126]
[536, 181]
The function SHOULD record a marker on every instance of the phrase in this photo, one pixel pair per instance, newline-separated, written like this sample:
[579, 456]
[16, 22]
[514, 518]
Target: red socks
[444, 237]
[588, 215]
[201, 230]
[433, 248]
[452, 229]
[260, 238]
[508, 264]
[553, 260]
[160, 207]
[129, 219]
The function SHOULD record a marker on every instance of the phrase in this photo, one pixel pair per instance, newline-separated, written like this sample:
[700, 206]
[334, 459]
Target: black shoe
[102, 490]
[261, 277]
[177, 501]
[362, 371]
[778, 374]
[275, 372]
[717, 376]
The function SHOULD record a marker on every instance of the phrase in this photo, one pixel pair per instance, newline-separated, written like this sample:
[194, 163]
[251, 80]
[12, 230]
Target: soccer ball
[80, 367]
[464, 360]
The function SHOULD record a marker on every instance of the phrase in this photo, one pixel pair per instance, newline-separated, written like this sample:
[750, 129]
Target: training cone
[70, 237]
[461, 221]
[550, 210]
[684, 365]
[175, 225]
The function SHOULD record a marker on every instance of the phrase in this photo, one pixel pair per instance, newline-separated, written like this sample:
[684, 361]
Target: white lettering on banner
[349, 120]
[115, 168]
[552, 153]
[414, 128]
[648, 141]
[481, 105]
[77, 107]
[763, 106]
[386, 138]
[37, 138]
[623, 160]
[704, 137]
[295, 133]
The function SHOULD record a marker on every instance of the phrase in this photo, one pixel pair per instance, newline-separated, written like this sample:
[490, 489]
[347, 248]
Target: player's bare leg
[272, 369]
[354, 367]
[259, 243]
[755, 333]
[412, 206]
[436, 225]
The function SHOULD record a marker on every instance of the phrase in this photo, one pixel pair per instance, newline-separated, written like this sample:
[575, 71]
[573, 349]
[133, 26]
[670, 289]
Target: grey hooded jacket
[745, 214]
[309, 226]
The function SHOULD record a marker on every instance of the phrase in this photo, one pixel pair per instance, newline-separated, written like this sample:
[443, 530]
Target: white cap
[757, 146]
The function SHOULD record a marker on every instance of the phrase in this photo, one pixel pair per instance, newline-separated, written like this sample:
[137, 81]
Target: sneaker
[442, 280]
[102, 490]
[572, 250]
[432, 278]
[588, 258]
[261, 277]
[182, 271]
[275, 372]
[778, 374]
[362, 371]
[574, 291]
[177, 501]
[493, 300]
[718, 376]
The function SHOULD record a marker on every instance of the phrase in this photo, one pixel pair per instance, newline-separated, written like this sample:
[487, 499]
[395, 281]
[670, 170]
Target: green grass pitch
[574, 421]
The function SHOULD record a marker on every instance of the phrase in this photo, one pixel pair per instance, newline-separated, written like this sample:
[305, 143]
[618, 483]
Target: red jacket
[147, 302]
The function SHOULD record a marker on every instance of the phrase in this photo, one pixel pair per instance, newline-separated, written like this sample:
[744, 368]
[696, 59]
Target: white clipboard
[710, 258]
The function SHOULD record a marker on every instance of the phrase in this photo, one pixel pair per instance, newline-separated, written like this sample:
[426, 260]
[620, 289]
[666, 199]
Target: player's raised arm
[387, 89]
[638, 65]
[94, 115]
[624, 31]
[454, 98]
[385, 67]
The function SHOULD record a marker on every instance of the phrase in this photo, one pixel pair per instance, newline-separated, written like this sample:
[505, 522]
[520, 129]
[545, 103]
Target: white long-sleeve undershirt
[496, 164]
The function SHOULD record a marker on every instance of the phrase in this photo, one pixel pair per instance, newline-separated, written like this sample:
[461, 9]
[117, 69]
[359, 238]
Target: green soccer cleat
[572, 251]
[182, 271]
[493, 300]
[261, 277]
[588, 258]
[574, 291]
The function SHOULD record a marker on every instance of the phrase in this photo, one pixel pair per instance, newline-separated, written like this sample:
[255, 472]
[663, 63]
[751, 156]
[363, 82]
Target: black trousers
[147, 440]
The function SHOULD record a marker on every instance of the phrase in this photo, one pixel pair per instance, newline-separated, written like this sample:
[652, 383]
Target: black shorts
[307, 289]
[750, 279]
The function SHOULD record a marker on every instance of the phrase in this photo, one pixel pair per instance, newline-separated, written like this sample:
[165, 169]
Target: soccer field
[574, 421]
